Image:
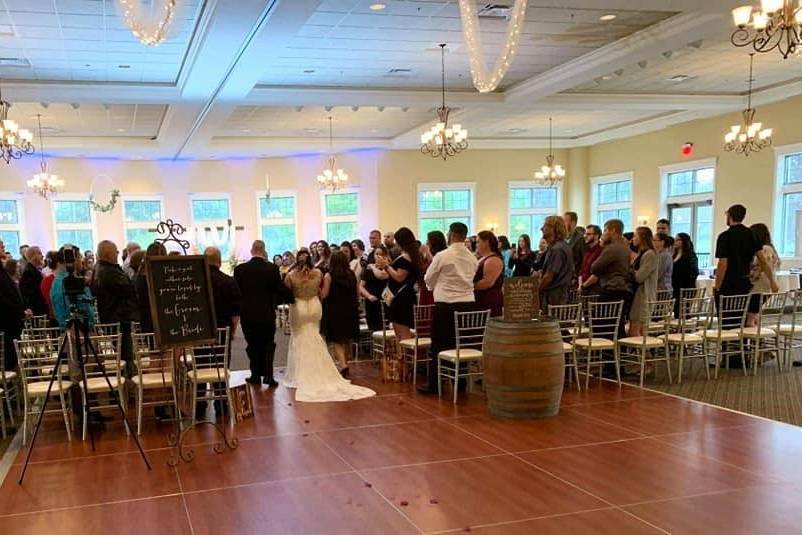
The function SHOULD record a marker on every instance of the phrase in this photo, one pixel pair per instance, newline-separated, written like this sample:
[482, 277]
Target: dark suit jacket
[116, 295]
[12, 308]
[30, 288]
[262, 289]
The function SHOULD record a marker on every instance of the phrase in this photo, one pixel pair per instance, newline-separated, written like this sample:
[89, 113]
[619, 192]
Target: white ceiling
[230, 80]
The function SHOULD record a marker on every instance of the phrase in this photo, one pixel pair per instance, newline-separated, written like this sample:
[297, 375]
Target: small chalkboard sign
[181, 300]
[521, 300]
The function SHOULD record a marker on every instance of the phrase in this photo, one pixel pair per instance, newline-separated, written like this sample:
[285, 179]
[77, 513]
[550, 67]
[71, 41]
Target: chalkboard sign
[521, 300]
[181, 300]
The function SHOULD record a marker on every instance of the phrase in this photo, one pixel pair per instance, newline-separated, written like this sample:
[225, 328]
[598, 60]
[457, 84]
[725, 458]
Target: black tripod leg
[80, 358]
[56, 368]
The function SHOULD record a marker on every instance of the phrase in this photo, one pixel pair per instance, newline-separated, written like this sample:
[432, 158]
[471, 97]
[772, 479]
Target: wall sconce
[643, 221]
[493, 227]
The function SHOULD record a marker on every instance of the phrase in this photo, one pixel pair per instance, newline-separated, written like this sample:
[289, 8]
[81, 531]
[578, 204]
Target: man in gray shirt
[613, 268]
[558, 267]
[664, 245]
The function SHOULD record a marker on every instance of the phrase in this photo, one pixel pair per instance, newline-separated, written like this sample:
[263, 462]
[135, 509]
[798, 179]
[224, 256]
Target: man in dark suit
[12, 315]
[262, 289]
[31, 281]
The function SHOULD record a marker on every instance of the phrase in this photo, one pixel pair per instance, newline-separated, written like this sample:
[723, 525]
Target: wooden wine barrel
[524, 368]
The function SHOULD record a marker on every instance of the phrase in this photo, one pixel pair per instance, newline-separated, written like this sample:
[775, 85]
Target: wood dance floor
[615, 460]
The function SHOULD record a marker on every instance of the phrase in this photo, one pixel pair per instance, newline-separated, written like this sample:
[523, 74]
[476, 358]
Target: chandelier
[483, 80]
[776, 25]
[43, 183]
[550, 175]
[332, 177]
[442, 141]
[14, 141]
[150, 31]
[749, 136]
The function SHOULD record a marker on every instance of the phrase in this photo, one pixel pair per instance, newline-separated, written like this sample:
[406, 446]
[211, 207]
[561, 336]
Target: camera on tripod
[74, 285]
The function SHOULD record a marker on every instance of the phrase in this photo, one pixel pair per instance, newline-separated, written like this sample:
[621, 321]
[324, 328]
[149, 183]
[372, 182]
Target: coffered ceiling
[255, 78]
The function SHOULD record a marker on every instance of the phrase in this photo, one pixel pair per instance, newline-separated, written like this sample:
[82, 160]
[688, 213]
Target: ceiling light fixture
[776, 25]
[332, 178]
[608, 17]
[43, 183]
[749, 136]
[150, 30]
[442, 141]
[550, 175]
[483, 80]
[378, 6]
[14, 141]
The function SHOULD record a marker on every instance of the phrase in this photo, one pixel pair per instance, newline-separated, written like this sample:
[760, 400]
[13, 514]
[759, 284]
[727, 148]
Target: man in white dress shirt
[450, 278]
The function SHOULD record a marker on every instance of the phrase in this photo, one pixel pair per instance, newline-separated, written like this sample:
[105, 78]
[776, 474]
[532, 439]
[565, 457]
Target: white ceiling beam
[263, 95]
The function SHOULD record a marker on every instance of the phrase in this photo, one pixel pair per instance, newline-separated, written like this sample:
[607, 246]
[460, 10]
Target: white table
[785, 280]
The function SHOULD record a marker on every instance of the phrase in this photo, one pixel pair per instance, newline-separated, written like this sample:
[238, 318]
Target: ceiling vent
[14, 62]
[495, 12]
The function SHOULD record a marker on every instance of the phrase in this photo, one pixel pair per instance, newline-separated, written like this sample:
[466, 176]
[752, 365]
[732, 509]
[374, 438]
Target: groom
[262, 289]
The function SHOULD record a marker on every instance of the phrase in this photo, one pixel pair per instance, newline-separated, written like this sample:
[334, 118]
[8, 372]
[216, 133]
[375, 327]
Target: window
[529, 205]
[788, 204]
[211, 215]
[74, 222]
[140, 217]
[439, 205]
[11, 223]
[277, 222]
[611, 198]
[688, 203]
[340, 216]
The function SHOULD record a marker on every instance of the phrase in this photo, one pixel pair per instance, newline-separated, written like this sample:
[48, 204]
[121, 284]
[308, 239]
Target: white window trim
[338, 218]
[19, 226]
[780, 189]
[512, 184]
[665, 170]
[444, 214]
[92, 225]
[147, 225]
[280, 220]
[607, 179]
[212, 223]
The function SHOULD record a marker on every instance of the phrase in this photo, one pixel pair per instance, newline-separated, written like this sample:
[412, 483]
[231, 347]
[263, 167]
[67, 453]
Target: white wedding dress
[310, 368]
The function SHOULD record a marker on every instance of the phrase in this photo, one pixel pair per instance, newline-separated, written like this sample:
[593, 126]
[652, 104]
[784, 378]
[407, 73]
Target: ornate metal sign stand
[171, 231]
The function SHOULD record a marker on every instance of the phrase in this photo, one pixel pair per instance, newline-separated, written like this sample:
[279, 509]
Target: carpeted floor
[770, 394]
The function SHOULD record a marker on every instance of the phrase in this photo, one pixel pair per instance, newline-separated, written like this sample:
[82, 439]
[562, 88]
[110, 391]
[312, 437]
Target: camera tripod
[80, 335]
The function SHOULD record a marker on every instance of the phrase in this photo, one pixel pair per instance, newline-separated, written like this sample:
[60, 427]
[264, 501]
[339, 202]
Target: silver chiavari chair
[36, 322]
[653, 345]
[569, 318]
[412, 348]
[791, 331]
[464, 361]
[154, 377]
[100, 373]
[601, 338]
[725, 339]
[9, 386]
[686, 340]
[210, 366]
[764, 338]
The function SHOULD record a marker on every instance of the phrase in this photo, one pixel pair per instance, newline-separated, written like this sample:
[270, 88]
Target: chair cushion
[409, 343]
[39, 388]
[567, 348]
[464, 354]
[594, 343]
[723, 335]
[649, 341]
[98, 384]
[786, 329]
[751, 332]
[677, 338]
[379, 335]
[8, 377]
[208, 375]
[153, 380]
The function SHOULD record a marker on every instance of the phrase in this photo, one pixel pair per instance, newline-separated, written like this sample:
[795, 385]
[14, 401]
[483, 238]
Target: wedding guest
[31, 282]
[142, 289]
[278, 260]
[372, 286]
[522, 258]
[761, 282]
[403, 275]
[686, 267]
[130, 248]
[489, 278]
[12, 268]
[613, 268]
[313, 252]
[358, 262]
[663, 226]
[540, 255]
[116, 295]
[391, 245]
[506, 254]
[450, 277]
[358, 246]
[644, 269]
[323, 256]
[588, 282]
[23, 256]
[48, 275]
[575, 239]
[340, 298]
[663, 246]
[558, 266]
[346, 248]
[435, 243]
[12, 315]
[60, 303]
[49, 263]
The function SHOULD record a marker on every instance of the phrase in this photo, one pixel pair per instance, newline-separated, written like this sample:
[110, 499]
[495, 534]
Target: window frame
[780, 190]
[325, 219]
[531, 184]
[19, 226]
[91, 226]
[612, 178]
[260, 195]
[470, 214]
[139, 224]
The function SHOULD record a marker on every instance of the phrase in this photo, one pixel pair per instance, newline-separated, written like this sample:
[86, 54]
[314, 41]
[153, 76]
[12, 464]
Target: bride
[310, 368]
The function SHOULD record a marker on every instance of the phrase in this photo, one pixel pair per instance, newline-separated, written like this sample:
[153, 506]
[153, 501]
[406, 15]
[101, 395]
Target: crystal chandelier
[776, 25]
[442, 141]
[332, 178]
[483, 80]
[43, 183]
[749, 136]
[14, 141]
[150, 31]
[550, 175]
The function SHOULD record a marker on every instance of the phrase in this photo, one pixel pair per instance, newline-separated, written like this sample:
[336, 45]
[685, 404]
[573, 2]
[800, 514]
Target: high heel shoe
[345, 372]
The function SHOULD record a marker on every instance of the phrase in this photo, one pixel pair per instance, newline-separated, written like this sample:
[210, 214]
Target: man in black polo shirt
[736, 247]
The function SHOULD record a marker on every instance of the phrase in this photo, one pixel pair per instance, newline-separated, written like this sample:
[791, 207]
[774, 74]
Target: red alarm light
[687, 149]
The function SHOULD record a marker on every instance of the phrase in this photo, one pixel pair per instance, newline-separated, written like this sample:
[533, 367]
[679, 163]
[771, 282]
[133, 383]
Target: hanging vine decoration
[104, 208]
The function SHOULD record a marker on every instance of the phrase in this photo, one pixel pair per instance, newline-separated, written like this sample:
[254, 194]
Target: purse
[388, 295]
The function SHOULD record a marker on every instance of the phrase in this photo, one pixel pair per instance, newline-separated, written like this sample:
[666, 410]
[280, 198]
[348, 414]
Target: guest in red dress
[489, 277]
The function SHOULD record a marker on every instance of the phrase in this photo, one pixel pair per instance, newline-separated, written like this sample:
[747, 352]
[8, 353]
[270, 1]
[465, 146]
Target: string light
[151, 32]
[483, 80]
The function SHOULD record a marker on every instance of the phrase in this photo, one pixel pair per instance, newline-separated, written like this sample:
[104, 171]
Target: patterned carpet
[770, 394]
